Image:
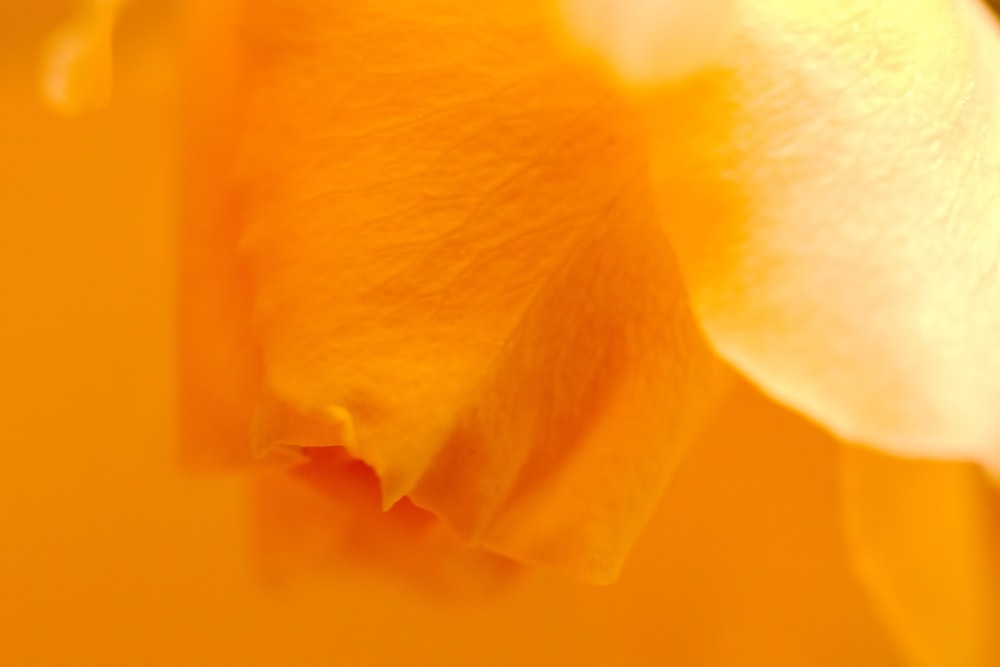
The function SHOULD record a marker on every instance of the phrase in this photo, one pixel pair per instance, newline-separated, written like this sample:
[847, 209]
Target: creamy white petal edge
[652, 39]
[861, 285]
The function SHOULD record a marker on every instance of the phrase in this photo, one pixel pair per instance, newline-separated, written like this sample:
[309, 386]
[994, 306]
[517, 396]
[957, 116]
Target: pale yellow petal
[831, 191]
[653, 40]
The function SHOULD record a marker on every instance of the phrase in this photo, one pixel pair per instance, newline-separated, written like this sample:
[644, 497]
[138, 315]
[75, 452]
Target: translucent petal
[925, 537]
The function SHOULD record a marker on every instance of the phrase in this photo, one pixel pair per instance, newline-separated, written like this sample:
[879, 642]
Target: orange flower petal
[926, 539]
[831, 195]
[456, 271]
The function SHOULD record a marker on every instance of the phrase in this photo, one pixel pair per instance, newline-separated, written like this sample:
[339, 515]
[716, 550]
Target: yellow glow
[77, 66]
[652, 40]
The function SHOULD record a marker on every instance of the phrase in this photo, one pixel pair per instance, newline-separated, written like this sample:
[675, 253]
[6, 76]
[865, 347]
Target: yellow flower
[457, 259]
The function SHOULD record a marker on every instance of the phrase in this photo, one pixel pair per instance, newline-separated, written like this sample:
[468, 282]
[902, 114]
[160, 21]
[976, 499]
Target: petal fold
[455, 271]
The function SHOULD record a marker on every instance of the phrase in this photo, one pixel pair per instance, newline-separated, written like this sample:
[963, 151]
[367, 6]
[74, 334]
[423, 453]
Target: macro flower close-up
[635, 333]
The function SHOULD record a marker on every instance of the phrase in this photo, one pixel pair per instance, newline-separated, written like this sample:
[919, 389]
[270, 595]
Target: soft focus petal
[456, 273]
[926, 539]
[830, 189]
[76, 72]
[744, 563]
